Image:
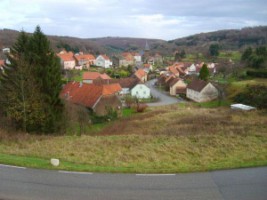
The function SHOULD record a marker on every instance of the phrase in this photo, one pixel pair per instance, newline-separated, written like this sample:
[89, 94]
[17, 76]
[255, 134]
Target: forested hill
[227, 39]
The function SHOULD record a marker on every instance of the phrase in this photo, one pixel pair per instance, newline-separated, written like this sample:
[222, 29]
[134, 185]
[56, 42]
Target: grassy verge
[167, 139]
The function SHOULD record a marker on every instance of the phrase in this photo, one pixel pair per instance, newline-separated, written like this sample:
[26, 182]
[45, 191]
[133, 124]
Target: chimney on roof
[81, 84]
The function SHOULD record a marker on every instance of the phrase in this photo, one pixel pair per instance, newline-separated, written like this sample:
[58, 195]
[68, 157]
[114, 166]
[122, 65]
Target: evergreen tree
[30, 85]
[19, 98]
[204, 73]
[47, 71]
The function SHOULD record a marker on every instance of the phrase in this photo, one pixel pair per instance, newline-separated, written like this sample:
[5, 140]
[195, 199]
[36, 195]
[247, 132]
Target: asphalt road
[164, 97]
[240, 184]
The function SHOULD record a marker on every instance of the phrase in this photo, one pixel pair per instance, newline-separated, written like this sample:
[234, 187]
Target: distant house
[137, 57]
[89, 77]
[177, 86]
[126, 58]
[97, 98]
[84, 60]
[141, 91]
[67, 60]
[126, 83]
[103, 61]
[201, 91]
[141, 75]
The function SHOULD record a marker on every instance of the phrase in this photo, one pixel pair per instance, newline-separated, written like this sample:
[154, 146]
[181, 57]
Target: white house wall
[141, 91]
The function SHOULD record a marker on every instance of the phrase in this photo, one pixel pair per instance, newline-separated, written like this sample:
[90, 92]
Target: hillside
[228, 40]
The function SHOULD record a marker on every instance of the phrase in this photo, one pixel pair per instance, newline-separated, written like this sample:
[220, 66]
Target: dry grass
[166, 139]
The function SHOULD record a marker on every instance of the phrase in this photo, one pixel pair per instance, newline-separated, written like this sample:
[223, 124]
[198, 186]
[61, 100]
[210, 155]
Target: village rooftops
[87, 94]
[95, 75]
[66, 56]
[84, 57]
[128, 82]
[140, 73]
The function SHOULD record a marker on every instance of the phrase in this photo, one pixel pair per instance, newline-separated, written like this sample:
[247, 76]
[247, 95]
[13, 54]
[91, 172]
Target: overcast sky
[161, 19]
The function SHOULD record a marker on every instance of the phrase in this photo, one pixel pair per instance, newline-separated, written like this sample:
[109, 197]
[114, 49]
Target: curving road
[164, 97]
[239, 184]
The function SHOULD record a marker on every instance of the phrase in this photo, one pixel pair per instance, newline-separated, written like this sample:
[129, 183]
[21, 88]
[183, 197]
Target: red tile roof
[111, 89]
[87, 94]
[104, 76]
[173, 70]
[105, 57]
[88, 57]
[95, 75]
[2, 62]
[129, 82]
[140, 73]
[66, 56]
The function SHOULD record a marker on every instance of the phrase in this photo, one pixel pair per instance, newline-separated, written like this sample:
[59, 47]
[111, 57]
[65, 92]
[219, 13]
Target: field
[176, 138]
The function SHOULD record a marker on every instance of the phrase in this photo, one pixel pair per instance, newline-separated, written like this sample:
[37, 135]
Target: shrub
[141, 107]
[255, 95]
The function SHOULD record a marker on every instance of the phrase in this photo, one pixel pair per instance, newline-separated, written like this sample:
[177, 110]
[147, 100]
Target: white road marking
[11, 166]
[155, 174]
[70, 172]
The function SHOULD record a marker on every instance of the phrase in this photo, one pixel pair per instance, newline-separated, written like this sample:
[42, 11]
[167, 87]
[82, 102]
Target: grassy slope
[237, 87]
[167, 139]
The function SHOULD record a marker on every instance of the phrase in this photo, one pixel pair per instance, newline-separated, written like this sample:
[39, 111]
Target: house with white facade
[103, 61]
[141, 91]
[201, 91]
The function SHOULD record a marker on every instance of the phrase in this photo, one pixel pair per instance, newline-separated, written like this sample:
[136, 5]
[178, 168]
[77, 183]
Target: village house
[141, 75]
[126, 83]
[97, 98]
[89, 77]
[177, 86]
[84, 60]
[126, 58]
[201, 91]
[67, 60]
[103, 61]
[141, 91]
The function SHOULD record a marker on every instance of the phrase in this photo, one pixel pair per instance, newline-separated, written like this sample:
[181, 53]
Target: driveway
[164, 97]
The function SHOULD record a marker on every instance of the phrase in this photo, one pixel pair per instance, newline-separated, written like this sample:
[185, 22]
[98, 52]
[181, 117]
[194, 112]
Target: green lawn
[168, 139]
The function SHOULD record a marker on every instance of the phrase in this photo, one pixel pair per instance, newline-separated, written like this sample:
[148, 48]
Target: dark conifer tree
[204, 73]
[30, 85]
